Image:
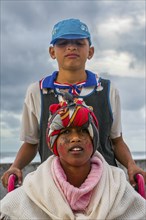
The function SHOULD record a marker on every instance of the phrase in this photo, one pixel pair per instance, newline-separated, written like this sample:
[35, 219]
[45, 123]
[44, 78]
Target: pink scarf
[78, 198]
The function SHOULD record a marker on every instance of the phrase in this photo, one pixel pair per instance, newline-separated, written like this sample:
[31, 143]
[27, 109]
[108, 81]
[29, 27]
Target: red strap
[141, 185]
[11, 183]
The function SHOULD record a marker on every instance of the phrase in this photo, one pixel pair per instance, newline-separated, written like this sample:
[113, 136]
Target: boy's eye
[79, 43]
[63, 43]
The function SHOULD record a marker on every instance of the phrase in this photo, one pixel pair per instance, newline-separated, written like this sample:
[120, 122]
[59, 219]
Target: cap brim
[69, 37]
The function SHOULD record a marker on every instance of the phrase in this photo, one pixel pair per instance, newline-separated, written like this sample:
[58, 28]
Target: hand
[11, 170]
[132, 170]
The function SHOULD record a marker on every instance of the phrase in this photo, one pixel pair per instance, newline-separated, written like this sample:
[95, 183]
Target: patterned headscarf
[71, 114]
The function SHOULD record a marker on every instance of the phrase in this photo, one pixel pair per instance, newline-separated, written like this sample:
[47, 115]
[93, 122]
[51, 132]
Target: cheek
[61, 149]
[89, 145]
[62, 144]
[63, 140]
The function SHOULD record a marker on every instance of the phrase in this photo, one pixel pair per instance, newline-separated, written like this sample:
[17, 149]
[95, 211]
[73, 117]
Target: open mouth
[76, 149]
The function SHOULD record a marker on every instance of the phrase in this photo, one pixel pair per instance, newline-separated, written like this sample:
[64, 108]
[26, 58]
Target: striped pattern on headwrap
[70, 115]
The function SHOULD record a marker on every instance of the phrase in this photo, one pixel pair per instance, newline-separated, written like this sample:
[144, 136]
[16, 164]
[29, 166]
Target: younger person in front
[76, 182]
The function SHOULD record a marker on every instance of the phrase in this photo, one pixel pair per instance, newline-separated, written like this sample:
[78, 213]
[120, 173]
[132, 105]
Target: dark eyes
[65, 131]
[84, 130]
[80, 131]
[63, 43]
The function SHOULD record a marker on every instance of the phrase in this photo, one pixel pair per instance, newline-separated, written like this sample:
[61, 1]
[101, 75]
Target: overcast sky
[118, 35]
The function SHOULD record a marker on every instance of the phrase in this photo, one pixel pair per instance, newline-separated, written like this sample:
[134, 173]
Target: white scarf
[40, 198]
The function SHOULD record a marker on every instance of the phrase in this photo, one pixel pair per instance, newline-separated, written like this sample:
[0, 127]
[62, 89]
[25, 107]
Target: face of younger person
[71, 54]
[74, 146]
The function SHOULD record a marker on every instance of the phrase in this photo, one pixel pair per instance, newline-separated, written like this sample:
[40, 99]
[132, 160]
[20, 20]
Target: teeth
[76, 149]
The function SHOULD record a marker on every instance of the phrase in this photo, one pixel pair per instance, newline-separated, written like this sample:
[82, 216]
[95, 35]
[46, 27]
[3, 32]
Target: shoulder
[33, 92]
[112, 88]
[112, 85]
[33, 87]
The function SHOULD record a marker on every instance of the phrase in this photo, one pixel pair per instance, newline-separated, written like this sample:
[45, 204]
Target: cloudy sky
[118, 34]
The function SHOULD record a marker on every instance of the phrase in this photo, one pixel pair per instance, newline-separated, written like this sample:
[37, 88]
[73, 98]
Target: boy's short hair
[70, 29]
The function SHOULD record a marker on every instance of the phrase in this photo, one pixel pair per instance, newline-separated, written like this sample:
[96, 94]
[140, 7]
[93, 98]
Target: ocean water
[8, 157]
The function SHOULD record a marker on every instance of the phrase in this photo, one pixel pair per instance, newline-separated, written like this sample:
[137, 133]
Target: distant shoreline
[8, 157]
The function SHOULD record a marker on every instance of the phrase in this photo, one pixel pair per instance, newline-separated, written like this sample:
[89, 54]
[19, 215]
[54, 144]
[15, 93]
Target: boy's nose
[71, 45]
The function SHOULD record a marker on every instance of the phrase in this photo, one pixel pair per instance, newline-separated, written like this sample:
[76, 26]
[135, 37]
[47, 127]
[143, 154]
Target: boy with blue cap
[71, 46]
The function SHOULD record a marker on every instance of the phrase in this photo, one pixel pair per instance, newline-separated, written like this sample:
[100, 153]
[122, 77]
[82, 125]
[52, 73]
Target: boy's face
[71, 54]
[74, 146]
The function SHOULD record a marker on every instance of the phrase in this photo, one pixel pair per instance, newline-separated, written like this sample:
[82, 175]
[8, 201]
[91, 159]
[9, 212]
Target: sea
[8, 157]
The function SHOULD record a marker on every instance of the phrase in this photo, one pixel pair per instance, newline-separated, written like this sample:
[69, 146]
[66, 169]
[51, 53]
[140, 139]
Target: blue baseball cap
[70, 29]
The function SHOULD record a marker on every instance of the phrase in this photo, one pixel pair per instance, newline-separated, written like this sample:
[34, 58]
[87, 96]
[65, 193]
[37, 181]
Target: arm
[24, 156]
[121, 150]
[123, 155]
[29, 133]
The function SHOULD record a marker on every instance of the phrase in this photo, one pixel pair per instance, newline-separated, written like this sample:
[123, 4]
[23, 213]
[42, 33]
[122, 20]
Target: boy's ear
[52, 52]
[91, 52]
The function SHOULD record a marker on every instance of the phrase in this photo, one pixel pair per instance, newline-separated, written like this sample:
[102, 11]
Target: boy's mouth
[72, 55]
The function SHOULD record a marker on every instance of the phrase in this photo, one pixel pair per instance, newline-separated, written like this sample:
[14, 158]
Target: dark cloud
[119, 8]
[9, 120]
[133, 39]
[131, 90]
